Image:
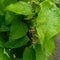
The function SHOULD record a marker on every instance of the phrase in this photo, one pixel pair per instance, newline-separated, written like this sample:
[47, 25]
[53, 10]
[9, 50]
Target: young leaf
[49, 20]
[17, 43]
[20, 8]
[18, 30]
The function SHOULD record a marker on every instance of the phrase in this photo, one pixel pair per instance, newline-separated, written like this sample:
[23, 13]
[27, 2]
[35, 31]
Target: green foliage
[29, 54]
[28, 28]
[17, 43]
[2, 55]
[20, 8]
[18, 29]
[48, 26]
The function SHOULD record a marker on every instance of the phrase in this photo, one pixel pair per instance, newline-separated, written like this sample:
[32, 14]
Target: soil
[56, 55]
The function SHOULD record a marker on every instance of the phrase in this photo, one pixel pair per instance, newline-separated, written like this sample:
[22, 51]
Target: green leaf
[2, 55]
[48, 25]
[5, 57]
[40, 34]
[40, 53]
[19, 59]
[2, 19]
[48, 21]
[1, 42]
[4, 3]
[9, 17]
[17, 43]
[8, 53]
[26, 0]
[4, 28]
[56, 1]
[50, 46]
[28, 17]
[8, 2]
[18, 30]
[20, 8]
[1, 7]
[28, 54]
